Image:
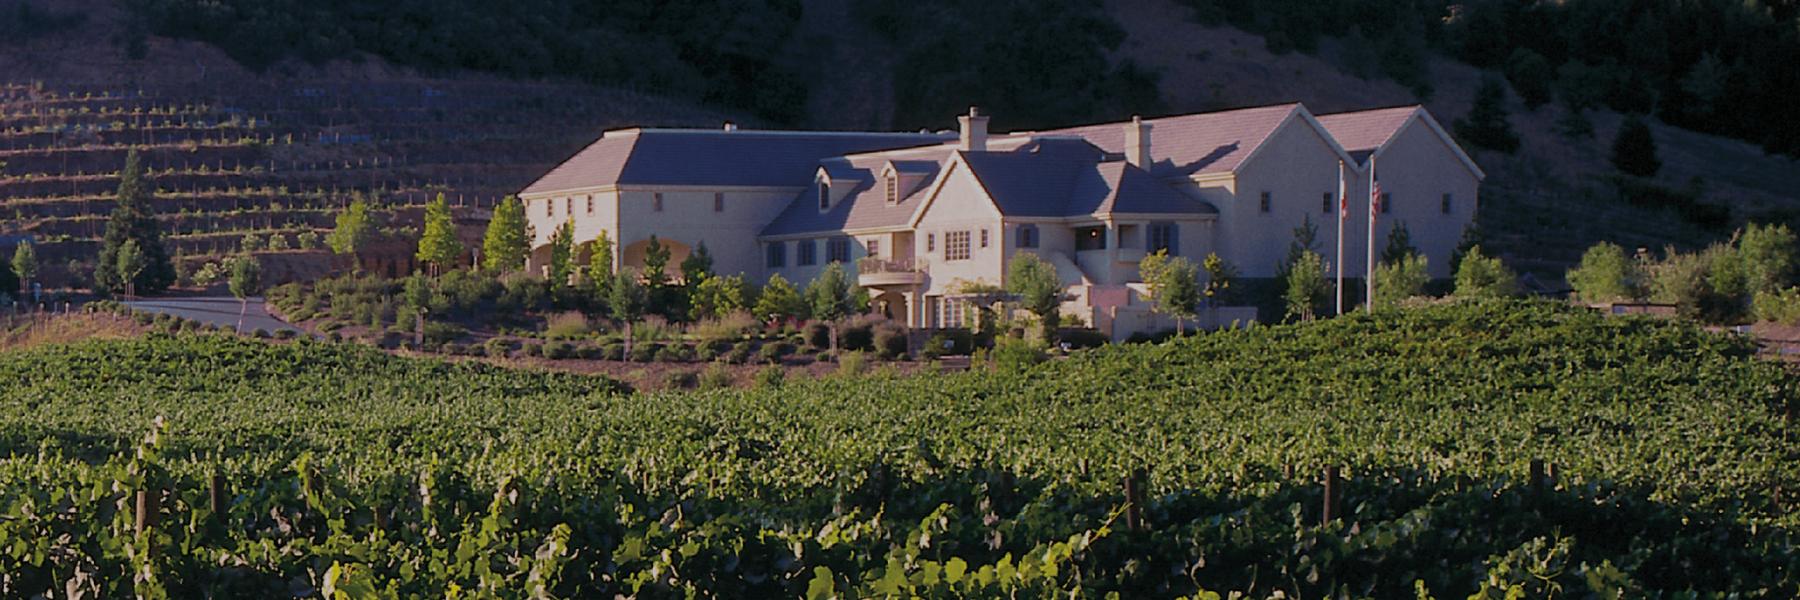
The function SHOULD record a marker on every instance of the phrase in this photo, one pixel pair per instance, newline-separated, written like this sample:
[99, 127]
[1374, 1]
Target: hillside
[1472, 443]
[275, 149]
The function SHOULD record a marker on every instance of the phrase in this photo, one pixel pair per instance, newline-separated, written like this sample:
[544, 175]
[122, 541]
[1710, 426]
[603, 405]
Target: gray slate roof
[1214, 142]
[704, 157]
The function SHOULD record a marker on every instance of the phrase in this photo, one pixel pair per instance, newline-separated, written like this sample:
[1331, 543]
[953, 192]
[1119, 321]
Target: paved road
[214, 311]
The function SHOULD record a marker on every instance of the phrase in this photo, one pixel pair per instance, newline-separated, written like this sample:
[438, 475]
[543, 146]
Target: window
[549, 208]
[931, 242]
[874, 247]
[719, 202]
[952, 313]
[824, 194]
[809, 253]
[1268, 199]
[837, 250]
[777, 255]
[1387, 203]
[1164, 236]
[1028, 236]
[956, 245]
[1445, 205]
[984, 237]
[1325, 204]
[590, 203]
[656, 202]
[1090, 238]
[568, 206]
[893, 188]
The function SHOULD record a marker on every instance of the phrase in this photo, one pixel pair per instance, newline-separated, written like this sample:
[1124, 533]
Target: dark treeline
[1719, 66]
[22, 20]
[714, 51]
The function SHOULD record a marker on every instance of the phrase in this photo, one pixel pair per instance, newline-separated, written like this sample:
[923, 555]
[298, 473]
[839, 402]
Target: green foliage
[1634, 150]
[1399, 244]
[1308, 290]
[562, 252]
[355, 228]
[656, 263]
[507, 242]
[600, 263]
[1306, 239]
[697, 267]
[779, 301]
[1219, 276]
[1768, 253]
[1401, 279]
[830, 297]
[718, 296]
[24, 262]
[1486, 125]
[1781, 306]
[1479, 276]
[1174, 284]
[349, 470]
[1607, 274]
[246, 277]
[1531, 75]
[439, 246]
[1039, 290]
[132, 220]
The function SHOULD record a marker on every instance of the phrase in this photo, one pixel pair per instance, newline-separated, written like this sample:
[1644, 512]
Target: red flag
[1343, 195]
[1375, 199]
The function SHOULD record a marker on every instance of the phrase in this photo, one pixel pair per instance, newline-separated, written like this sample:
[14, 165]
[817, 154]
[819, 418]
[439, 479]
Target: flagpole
[1369, 284]
[1341, 199]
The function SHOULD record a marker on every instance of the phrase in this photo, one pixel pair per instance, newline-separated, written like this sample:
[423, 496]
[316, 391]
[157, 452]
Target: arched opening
[633, 255]
[890, 304]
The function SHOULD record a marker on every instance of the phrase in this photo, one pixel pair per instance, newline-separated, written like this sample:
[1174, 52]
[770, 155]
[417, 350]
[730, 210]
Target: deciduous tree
[1039, 290]
[439, 245]
[508, 238]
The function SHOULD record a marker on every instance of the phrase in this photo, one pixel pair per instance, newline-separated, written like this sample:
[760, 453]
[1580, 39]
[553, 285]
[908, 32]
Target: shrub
[1403, 278]
[533, 349]
[612, 351]
[949, 343]
[733, 326]
[818, 335]
[739, 353]
[1479, 276]
[1606, 274]
[1014, 355]
[852, 363]
[772, 352]
[498, 347]
[891, 342]
[680, 380]
[437, 333]
[1082, 338]
[260, 333]
[716, 376]
[589, 351]
[770, 377]
[566, 326]
[558, 350]
[455, 349]
[284, 334]
[1778, 307]
[674, 353]
[645, 352]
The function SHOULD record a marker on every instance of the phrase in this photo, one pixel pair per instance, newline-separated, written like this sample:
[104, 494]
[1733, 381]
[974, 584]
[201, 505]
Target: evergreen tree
[1573, 124]
[562, 251]
[508, 238]
[246, 281]
[132, 220]
[1039, 291]
[1486, 125]
[656, 263]
[25, 266]
[1531, 75]
[1306, 236]
[829, 298]
[9, 282]
[779, 300]
[354, 229]
[1480, 276]
[1307, 287]
[600, 263]
[697, 266]
[1399, 245]
[1634, 150]
[625, 299]
[439, 246]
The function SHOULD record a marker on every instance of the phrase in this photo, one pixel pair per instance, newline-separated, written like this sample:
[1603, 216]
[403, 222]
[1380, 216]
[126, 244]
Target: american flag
[1343, 195]
[1374, 199]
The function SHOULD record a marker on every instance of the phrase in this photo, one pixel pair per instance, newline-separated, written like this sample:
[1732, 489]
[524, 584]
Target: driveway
[214, 311]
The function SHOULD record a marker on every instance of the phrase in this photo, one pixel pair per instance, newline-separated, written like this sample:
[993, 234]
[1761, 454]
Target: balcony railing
[885, 272]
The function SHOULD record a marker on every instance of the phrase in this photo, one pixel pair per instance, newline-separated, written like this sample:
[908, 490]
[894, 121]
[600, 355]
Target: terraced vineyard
[1477, 448]
[270, 158]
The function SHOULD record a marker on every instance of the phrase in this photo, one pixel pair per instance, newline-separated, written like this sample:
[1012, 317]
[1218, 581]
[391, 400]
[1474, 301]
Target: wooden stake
[1134, 500]
[1328, 512]
[215, 497]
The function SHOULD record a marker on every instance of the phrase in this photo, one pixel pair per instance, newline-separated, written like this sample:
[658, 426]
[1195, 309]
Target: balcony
[880, 272]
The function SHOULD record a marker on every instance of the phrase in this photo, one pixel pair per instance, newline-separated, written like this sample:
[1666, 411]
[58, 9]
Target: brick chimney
[974, 130]
[1137, 143]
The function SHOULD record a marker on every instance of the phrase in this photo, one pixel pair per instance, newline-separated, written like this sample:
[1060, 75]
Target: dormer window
[824, 194]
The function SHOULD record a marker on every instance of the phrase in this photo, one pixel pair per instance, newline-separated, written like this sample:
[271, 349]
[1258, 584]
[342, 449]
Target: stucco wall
[961, 205]
[1297, 167]
[1417, 169]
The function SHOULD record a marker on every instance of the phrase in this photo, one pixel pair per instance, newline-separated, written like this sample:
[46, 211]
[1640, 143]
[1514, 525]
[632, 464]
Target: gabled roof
[713, 157]
[865, 205]
[1366, 132]
[1026, 185]
[1215, 142]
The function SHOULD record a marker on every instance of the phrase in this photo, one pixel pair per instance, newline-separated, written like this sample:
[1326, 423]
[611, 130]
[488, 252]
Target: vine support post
[1333, 490]
[1134, 500]
[1535, 477]
[215, 496]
